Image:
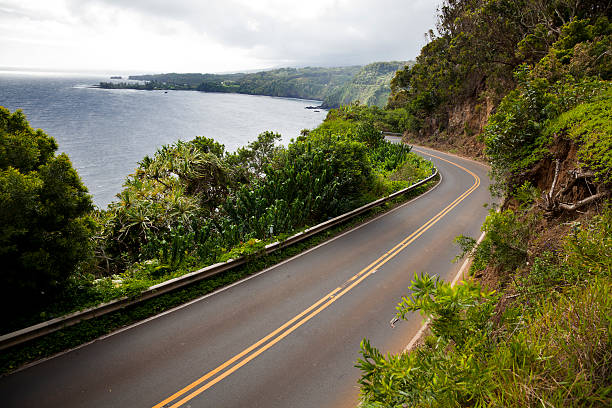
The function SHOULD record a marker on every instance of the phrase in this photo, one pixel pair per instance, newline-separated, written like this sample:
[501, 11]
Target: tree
[257, 155]
[44, 213]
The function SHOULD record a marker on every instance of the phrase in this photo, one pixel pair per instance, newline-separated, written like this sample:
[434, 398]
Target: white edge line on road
[460, 273]
[191, 302]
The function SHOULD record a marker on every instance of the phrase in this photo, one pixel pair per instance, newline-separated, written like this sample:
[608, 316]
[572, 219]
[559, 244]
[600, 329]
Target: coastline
[105, 134]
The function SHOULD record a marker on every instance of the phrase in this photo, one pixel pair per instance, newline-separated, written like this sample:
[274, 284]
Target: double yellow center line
[227, 368]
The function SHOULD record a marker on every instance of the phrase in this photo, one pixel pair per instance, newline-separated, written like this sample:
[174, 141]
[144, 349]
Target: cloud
[314, 32]
[215, 35]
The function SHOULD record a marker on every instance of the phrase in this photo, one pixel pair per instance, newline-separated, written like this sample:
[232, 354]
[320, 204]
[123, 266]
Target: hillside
[334, 86]
[370, 86]
[527, 87]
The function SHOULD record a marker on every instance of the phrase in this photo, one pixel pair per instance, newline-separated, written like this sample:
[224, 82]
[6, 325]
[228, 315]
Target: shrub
[44, 223]
[590, 126]
[505, 243]
[445, 372]
[519, 133]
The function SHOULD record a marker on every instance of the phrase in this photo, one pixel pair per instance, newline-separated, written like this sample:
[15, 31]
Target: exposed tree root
[552, 200]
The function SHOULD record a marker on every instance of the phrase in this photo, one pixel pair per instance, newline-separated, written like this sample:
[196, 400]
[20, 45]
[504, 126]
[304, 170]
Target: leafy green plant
[590, 126]
[526, 194]
[505, 243]
[45, 227]
[444, 373]
[455, 312]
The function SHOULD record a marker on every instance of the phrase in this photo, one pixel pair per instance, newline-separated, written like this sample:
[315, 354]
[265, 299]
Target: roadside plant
[505, 243]
[442, 373]
[45, 226]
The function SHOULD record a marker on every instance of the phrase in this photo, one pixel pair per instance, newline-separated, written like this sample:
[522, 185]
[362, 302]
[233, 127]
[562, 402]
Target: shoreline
[297, 98]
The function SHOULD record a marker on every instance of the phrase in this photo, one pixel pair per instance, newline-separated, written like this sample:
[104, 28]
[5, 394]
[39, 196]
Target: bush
[519, 133]
[505, 243]
[445, 372]
[589, 125]
[192, 202]
[44, 223]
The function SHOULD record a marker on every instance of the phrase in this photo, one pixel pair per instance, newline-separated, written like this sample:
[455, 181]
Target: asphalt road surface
[287, 337]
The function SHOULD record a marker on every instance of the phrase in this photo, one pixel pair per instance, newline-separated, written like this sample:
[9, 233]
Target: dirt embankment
[457, 130]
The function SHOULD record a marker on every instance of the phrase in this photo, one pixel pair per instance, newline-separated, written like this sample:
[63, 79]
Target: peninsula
[336, 86]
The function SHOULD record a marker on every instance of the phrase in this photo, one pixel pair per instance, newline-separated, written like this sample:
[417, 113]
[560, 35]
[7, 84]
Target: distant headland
[368, 84]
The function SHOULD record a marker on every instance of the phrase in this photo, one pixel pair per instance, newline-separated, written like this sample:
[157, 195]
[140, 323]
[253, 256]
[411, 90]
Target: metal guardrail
[50, 326]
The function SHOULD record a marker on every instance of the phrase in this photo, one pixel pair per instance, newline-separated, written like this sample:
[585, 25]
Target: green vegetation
[370, 86]
[517, 135]
[532, 118]
[44, 216]
[334, 86]
[305, 83]
[589, 125]
[537, 331]
[480, 44]
[89, 330]
[544, 341]
[385, 120]
[193, 204]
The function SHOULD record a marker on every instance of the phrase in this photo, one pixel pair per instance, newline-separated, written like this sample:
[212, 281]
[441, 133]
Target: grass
[562, 357]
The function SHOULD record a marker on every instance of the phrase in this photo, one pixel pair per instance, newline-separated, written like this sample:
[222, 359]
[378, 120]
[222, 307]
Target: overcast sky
[134, 36]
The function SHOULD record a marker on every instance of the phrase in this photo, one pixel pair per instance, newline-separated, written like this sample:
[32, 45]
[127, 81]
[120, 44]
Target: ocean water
[106, 132]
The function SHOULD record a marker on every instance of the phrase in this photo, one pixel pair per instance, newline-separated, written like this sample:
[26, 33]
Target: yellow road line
[244, 352]
[277, 335]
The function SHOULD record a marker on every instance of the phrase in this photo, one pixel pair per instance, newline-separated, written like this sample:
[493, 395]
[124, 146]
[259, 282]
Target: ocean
[106, 132]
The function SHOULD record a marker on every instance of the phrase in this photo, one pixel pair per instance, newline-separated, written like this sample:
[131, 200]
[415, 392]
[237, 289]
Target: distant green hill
[370, 86]
[334, 86]
[305, 83]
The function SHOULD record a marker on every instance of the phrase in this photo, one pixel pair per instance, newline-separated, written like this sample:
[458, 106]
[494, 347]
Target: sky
[154, 36]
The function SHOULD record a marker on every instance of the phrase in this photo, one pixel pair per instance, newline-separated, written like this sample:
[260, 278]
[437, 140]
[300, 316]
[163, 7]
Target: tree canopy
[44, 206]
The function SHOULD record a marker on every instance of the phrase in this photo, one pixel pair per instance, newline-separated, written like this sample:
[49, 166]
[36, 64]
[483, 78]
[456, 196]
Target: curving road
[287, 337]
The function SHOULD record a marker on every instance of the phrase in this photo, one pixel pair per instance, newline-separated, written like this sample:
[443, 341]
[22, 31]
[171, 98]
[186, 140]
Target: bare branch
[578, 175]
[581, 203]
[554, 183]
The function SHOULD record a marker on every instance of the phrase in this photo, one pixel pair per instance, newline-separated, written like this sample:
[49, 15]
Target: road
[287, 337]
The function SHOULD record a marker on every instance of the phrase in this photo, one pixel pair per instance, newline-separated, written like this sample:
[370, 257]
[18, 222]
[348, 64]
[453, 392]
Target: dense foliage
[386, 120]
[194, 203]
[533, 115]
[589, 125]
[44, 207]
[480, 43]
[334, 86]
